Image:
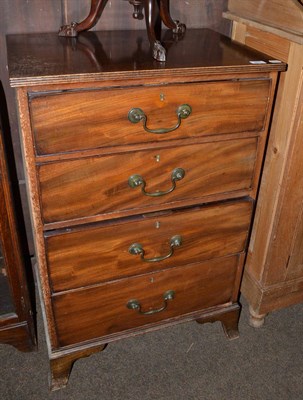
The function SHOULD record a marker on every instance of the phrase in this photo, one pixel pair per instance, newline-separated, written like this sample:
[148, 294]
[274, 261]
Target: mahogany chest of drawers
[142, 180]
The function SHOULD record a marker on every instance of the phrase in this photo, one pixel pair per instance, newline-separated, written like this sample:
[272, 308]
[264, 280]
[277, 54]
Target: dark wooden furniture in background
[273, 276]
[156, 12]
[142, 179]
[16, 319]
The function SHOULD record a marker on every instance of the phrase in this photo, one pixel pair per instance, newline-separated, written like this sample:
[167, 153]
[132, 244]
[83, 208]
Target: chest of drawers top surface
[46, 58]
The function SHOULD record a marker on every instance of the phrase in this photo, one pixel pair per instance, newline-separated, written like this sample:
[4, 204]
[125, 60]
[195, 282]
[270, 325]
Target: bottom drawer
[90, 313]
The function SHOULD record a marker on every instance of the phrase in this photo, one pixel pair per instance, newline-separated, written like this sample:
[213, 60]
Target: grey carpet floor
[188, 361]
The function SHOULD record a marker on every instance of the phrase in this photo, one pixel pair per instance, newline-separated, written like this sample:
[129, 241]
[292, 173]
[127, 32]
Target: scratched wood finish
[206, 233]
[100, 311]
[93, 119]
[99, 185]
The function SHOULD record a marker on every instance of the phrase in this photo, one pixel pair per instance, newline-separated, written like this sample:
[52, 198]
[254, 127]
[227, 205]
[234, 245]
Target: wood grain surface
[99, 311]
[100, 253]
[284, 14]
[98, 118]
[273, 273]
[97, 186]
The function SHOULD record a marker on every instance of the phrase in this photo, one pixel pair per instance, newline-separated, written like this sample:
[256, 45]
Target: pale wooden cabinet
[273, 276]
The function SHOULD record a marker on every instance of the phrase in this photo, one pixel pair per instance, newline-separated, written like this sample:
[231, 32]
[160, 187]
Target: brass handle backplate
[137, 180]
[137, 249]
[136, 115]
[136, 305]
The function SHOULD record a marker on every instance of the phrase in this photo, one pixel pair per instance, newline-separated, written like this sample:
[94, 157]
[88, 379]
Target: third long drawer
[108, 251]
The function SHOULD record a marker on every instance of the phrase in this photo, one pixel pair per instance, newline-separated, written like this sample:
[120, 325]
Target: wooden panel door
[16, 316]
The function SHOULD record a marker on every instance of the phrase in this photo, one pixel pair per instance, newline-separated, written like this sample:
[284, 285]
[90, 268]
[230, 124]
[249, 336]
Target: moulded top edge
[36, 59]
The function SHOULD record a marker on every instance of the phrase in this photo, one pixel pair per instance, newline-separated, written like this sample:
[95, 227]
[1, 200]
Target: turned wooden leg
[256, 320]
[176, 26]
[152, 13]
[96, 9]
[229, 320]
[60, 367]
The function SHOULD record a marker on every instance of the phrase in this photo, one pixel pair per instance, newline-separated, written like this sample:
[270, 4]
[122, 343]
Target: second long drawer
[109, 251]
[95, 186]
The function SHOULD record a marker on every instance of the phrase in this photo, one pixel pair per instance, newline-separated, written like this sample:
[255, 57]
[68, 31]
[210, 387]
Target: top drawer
[87, 119]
